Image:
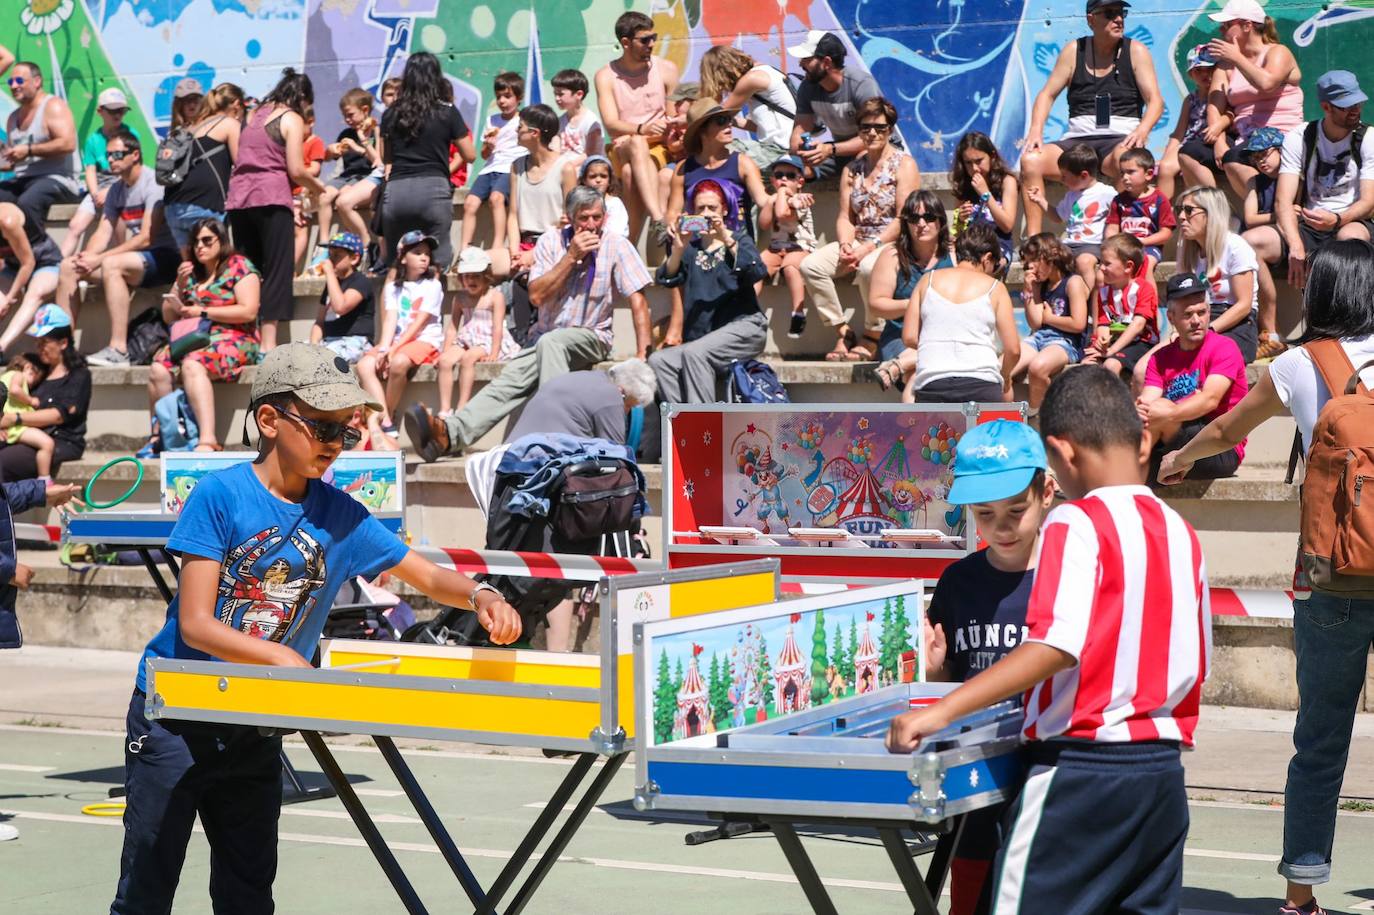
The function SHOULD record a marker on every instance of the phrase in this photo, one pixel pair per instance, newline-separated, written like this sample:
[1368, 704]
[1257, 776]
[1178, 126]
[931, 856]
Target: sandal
[889, 374]
[841, 351]
[866, 351]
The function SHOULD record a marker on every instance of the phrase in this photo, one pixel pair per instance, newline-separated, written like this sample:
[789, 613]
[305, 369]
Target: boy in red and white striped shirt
[1120, 640]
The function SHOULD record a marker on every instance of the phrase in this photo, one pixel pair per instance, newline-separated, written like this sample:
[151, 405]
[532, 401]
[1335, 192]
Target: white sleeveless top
[540, 202]
[773, 127]
[958, 339]
[37, 132]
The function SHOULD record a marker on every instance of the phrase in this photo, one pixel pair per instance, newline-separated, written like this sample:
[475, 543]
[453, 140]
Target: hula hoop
[138, 481]
[106, 809]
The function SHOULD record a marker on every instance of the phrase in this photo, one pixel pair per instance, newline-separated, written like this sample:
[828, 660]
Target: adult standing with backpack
[271, 159]
[1326, 177]
[737, 81]
[1333, 621]
[194, 164]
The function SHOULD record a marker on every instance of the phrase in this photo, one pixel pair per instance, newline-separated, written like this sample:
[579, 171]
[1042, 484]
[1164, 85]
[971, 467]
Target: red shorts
[418, 352]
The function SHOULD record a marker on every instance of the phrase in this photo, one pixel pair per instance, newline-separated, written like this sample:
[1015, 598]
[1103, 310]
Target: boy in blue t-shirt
[265, 547]
[978, 611]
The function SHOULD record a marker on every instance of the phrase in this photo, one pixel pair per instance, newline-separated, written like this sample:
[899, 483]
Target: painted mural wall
[948, 65]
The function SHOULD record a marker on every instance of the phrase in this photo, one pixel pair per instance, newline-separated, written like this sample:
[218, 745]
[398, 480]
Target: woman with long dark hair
[1331, 631]
[220, 285]
[416, 133]
[986, 187]
[270, 160]
[214, 126]
[64, 396]
[923, 246]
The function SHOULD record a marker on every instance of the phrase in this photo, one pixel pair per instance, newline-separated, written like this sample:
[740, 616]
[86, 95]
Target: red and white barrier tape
[37, 533]
[537, 565]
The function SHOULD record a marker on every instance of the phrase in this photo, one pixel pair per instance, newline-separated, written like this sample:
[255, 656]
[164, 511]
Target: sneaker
[1270, 347]
[428, 433]
[798, 325]
[108, 356]
[391, 430]
[8, 832]
[1310, 908]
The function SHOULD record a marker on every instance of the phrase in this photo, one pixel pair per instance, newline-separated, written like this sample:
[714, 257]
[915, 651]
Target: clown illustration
[768, 477]
[271, 604]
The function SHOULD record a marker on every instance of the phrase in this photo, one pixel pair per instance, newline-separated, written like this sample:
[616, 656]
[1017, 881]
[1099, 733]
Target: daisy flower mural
[43, 17]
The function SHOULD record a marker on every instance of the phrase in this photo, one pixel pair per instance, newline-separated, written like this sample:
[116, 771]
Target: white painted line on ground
[15, 767]
[378, 792]
[295, 811]
[1230, 855]
[75, 732]
[1272, 808]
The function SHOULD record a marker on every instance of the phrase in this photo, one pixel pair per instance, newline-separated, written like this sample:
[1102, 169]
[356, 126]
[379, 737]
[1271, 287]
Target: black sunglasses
[721, 120]
[1112, 12]
[205, 241]
[647, 39]
[1187, 210]
[923, 217]
[118, 155]
[874, 128]
[327, 431]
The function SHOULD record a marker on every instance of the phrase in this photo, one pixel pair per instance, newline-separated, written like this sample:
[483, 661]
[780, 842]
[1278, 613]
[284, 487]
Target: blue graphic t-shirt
[982, 611]
[281, 562]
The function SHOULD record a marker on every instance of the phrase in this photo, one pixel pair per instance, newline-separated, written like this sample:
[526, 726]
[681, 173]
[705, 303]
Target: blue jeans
[182, 217]
[1332, 636]
[228, 774]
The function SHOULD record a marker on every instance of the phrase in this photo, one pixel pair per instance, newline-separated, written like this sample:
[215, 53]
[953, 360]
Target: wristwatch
[482, 586]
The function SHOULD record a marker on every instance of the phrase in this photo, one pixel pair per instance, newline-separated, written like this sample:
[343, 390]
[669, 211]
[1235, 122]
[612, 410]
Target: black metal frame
[922, 891]
[485, 902]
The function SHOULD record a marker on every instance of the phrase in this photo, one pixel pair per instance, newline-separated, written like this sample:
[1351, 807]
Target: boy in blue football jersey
[265, 547]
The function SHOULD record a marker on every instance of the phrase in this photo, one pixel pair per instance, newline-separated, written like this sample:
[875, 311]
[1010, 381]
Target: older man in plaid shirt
[576, 274]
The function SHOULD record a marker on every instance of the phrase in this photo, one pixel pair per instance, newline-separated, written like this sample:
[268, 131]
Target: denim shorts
[492, 181]
[159, 267]
[8, 275]
[1045, 337]
[182, 218]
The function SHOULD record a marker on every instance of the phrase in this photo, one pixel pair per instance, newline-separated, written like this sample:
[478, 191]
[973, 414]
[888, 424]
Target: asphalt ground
[61, 747]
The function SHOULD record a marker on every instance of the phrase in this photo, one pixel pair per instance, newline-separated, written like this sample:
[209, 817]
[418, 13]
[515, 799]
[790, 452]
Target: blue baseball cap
[48, 319]
[1201, 56]
[1340, 88]
[1261, 139]
[995, 461]
[348, 241]
[794, 161]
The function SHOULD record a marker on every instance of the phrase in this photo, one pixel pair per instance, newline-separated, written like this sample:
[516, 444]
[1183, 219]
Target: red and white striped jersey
[1122, 587]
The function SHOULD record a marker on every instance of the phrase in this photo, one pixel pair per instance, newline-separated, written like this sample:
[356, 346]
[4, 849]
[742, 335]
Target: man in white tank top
[42, 144]
[634, 113]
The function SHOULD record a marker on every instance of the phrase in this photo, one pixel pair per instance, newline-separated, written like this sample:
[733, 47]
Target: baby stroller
[594, 508]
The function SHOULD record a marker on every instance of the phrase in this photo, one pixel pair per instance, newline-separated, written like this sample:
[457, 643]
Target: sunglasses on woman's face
[721, 120]
[875, 128]
[1188, 211]
[923, 217]
[327, 431]
[205, 241]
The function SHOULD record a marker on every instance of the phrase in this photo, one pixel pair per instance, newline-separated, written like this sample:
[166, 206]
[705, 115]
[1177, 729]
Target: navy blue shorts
[491, 181]
[1098, 827]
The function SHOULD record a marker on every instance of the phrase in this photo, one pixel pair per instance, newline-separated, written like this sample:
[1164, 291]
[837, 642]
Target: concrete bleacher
[1247, 524]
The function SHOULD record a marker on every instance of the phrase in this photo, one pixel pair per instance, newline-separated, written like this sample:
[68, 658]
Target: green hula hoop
[138, 481]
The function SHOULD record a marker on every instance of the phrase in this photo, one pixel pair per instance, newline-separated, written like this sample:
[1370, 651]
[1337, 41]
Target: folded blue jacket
[541, 460]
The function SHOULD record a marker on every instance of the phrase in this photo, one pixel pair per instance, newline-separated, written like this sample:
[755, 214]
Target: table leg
[162, 587]
[801, 864]
[900, 855]
[938, 869]
[566, 833]
[371, 835]
[542, 824]
[430, 818]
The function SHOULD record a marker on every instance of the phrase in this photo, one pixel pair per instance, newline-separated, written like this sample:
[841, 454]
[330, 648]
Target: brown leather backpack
[1337, 545]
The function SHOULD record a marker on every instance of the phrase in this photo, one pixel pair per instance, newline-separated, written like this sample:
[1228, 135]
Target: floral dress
[874, 207]
[232, 346]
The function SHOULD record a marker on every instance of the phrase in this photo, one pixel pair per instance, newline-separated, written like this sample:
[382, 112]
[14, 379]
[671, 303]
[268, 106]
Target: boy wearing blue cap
[978, 611]
[788, 214]
[347, 316]
[1112, 666]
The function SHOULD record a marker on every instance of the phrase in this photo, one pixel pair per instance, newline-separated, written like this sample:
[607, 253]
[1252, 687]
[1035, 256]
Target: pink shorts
[418, 352]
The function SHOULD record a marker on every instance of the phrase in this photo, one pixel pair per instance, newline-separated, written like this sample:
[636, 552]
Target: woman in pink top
[1257, 83]
[270, 158]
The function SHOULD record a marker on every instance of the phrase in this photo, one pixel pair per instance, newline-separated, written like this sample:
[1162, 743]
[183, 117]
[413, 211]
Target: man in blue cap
[1326, 175]
[978, 611]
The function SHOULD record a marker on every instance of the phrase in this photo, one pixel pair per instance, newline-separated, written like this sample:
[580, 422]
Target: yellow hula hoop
[104, 809]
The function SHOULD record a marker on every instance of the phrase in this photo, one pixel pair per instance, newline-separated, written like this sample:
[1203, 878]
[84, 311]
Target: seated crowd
[218, 223]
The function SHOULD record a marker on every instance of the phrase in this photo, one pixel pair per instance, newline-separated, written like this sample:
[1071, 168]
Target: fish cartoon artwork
[182, 488]
[372, 494]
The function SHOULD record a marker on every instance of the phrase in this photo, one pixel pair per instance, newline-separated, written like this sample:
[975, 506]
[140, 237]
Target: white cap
[808, 47]
[112, 99]
[1247, 10]
[473, 260]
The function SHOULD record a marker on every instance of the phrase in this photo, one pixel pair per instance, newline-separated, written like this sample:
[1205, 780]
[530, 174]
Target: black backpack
[179, 152]
[1309, 149]
[147, 335]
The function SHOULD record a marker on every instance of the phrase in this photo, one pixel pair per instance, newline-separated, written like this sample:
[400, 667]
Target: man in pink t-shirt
[1192, 381]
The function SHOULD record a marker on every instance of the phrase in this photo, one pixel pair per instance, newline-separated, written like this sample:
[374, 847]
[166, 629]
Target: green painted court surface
[65, 862]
